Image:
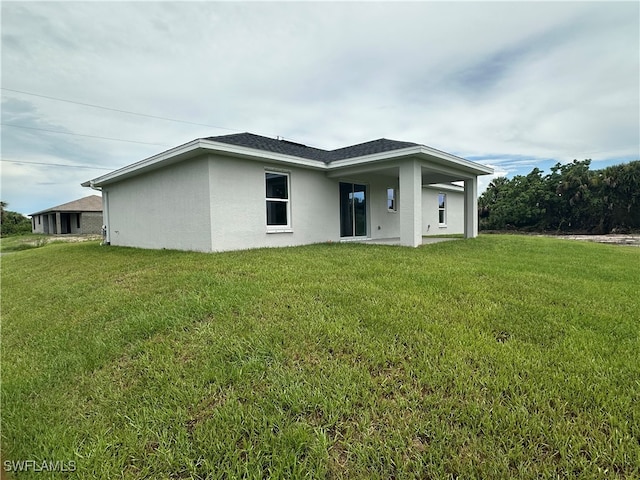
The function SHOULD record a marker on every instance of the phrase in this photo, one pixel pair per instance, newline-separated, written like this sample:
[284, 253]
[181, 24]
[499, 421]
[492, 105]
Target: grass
[498, 357]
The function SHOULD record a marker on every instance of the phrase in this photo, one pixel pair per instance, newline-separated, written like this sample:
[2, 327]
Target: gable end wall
[165, 208]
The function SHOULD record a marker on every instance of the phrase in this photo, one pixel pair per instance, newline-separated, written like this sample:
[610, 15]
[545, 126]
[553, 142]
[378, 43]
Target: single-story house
[79, 217]
[245, 191]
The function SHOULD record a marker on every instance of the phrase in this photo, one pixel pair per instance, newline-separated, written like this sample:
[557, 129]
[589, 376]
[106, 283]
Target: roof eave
[374, 157]
[76, 210]
[194, 147]
[150, 163]
[476, 168]
[419, 150]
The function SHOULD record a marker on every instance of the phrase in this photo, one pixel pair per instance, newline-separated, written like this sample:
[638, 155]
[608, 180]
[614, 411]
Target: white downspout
[106, 235]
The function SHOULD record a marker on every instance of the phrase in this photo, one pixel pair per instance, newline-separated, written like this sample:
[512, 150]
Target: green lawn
[498, 357]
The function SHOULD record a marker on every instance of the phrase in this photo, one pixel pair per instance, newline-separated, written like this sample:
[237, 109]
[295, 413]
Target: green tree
[573, 205]
[12, 223]
[516, 203]
[620, 193]
[571, 198]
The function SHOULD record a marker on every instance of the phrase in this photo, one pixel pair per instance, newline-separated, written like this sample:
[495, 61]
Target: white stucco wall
[454, 209]
[166, 208]
[382, 222]
[217, 203]
[238, 213]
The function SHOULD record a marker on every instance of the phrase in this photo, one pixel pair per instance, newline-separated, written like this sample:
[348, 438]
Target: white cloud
[531, 81]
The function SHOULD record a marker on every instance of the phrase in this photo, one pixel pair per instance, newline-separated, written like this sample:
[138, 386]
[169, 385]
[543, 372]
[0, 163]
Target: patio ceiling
[431, 173]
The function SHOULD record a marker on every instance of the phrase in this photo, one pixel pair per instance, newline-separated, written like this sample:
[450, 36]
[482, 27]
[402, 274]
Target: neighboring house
[245, 191]
[80, 217]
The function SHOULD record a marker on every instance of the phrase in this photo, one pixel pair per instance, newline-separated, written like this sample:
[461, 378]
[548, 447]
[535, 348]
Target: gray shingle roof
[92, 203]
[286, 147]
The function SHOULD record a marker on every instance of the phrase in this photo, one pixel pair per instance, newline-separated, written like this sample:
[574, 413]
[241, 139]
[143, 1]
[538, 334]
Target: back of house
[247, 191]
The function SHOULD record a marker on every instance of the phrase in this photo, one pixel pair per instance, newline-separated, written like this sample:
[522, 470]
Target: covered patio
[412, 170]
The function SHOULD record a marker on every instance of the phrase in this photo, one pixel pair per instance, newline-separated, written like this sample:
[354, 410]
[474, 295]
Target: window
[392, 205]
[277, 187]
[442, 208]
[39, 217]
[77, 220]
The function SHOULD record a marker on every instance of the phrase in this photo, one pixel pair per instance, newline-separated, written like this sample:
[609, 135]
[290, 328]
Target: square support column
[471, 208]
[410, 204]
[58, 227]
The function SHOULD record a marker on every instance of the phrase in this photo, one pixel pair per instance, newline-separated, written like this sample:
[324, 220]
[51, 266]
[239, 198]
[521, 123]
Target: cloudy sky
[513, 85]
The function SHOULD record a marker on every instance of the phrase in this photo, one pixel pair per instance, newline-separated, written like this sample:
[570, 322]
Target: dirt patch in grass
[615, 239]
[74, 238]
[26, 242]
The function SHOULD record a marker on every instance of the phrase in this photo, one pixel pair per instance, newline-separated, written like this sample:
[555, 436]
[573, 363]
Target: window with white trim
[442, 209]
[392, 203]
[277, 197]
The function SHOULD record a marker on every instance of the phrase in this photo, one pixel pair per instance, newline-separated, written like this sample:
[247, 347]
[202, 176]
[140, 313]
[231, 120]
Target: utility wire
[118, 110]
[81, 135]
[54, 164]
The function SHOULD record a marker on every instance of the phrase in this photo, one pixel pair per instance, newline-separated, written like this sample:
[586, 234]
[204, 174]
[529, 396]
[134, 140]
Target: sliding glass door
[353, 210]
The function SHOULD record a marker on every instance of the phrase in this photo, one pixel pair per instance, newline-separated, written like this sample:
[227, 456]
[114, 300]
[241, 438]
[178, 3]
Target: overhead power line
[27, 162]
[119, 110]
[81, 135]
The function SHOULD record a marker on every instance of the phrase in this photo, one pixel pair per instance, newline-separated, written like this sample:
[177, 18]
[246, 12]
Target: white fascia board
[419, 150]
[374, 157]
[188, 149]
[463, 162]
[445, 186]
[145, 164]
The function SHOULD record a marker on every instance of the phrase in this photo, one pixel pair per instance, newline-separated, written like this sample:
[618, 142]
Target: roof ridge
[300, 150]
[382, 139]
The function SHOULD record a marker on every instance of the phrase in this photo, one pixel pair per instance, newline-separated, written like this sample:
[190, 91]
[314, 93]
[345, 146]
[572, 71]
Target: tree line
[572, 198]
[12, 223]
